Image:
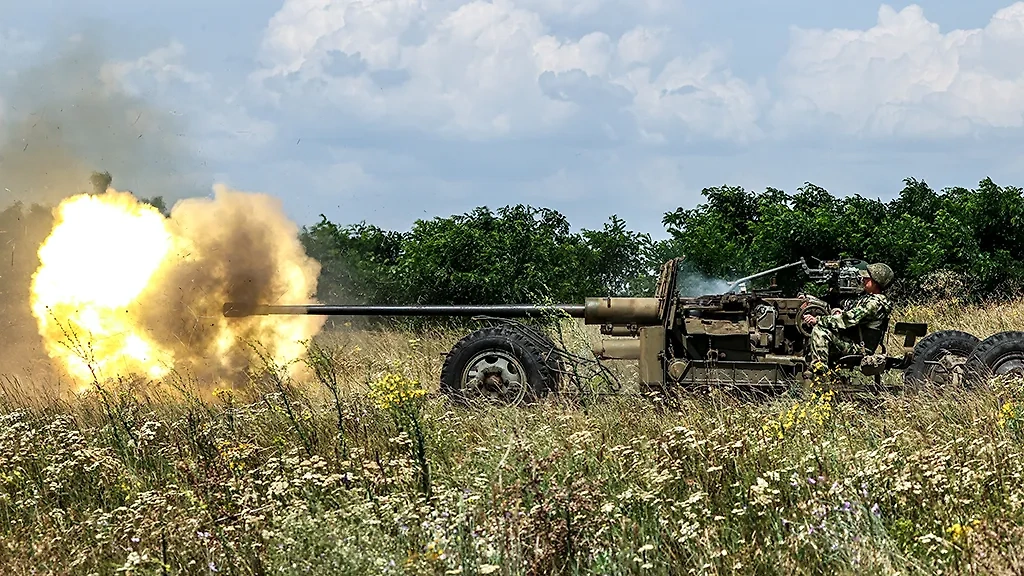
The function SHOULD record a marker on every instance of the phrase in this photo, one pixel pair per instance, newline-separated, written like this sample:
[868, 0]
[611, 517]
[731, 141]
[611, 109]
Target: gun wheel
[999, 355]
[939, 358]
[509, 364]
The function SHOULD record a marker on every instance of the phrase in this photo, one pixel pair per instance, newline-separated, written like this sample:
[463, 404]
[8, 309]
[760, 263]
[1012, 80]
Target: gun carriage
[742, 338]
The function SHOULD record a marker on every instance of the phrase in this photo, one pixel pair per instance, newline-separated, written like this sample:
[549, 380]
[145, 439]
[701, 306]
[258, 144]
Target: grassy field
[358, 470]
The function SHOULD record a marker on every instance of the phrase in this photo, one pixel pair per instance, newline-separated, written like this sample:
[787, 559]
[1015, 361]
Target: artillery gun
[753, 339]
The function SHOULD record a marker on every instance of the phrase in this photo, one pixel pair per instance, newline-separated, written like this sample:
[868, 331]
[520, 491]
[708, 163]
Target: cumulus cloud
[218, 122]
[484, 70]
[574, 8]
[396, 109]
[641, 44]
[163, 65]
[904, 77]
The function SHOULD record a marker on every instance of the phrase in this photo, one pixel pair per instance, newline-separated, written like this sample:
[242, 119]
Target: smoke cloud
[65, 118]
[692, 284]
[68, 116]
[62, 118]
[123, 291]
[236, 247]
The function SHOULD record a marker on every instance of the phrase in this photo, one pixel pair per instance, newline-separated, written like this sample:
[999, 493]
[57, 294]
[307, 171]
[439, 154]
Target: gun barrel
[735, 283]
[239, 309]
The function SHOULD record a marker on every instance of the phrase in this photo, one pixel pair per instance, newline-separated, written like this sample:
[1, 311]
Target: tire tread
[928, 348]
[531, 346]
[978, 364]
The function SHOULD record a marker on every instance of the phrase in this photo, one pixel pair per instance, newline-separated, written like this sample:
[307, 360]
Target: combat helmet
[880, 273]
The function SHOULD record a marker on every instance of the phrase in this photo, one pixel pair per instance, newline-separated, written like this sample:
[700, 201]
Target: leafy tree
[617, 261]
[358, 261]
[513, 255]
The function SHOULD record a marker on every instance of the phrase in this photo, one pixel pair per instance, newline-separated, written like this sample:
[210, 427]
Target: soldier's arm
[851, 317]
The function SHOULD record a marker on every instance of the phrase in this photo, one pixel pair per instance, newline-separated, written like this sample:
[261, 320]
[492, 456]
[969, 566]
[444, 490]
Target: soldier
[857, 330]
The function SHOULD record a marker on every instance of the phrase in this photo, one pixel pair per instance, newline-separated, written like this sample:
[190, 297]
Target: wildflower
[1007, 414]
[817, 410]
[957, 531]
[223, 394]
[394, 390]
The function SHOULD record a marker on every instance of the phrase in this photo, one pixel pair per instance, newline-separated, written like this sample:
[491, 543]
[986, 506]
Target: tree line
[955, 242]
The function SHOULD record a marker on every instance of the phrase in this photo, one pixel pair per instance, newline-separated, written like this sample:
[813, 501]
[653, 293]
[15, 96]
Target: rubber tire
[532, 348]
[978, 368]
[931, 348]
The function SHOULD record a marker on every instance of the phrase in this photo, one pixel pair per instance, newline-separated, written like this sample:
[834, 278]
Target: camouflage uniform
[859, 329]
[844, 333]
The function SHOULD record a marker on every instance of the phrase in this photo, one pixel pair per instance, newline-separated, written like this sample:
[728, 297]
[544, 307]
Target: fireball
[103, 252]
[122, 290]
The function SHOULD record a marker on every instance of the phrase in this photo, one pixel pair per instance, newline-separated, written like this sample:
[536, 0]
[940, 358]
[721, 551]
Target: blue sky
[393, 110]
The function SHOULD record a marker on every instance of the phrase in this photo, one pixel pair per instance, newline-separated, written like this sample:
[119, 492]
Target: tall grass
[358, 469]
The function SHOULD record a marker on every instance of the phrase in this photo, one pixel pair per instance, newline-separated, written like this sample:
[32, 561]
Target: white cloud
[218, 119]
[165, 64]
[162, 65]
[698, 97]
[641, 44]
[575, 8]
[905, 77]
[302, 32]
[487, 69]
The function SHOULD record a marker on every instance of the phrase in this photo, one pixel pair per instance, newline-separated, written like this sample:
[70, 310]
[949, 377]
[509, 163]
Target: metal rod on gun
[234, 309]
[762, 274]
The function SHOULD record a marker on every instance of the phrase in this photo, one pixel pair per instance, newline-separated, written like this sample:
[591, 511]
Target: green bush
[970, 239]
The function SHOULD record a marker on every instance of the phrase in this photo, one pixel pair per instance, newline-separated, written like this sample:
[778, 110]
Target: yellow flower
[393, 390]
[959, 531]
[223, 394]
[1007, 414]
[817, 409]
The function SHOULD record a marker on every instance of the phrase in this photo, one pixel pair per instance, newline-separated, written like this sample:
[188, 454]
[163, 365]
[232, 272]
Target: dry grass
[356, 472]
[980, 320]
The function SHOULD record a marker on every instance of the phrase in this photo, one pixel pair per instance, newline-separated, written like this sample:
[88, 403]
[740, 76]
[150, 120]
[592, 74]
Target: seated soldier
[857, 330]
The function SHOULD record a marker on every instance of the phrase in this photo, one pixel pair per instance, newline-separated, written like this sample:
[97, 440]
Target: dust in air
[123, 290]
